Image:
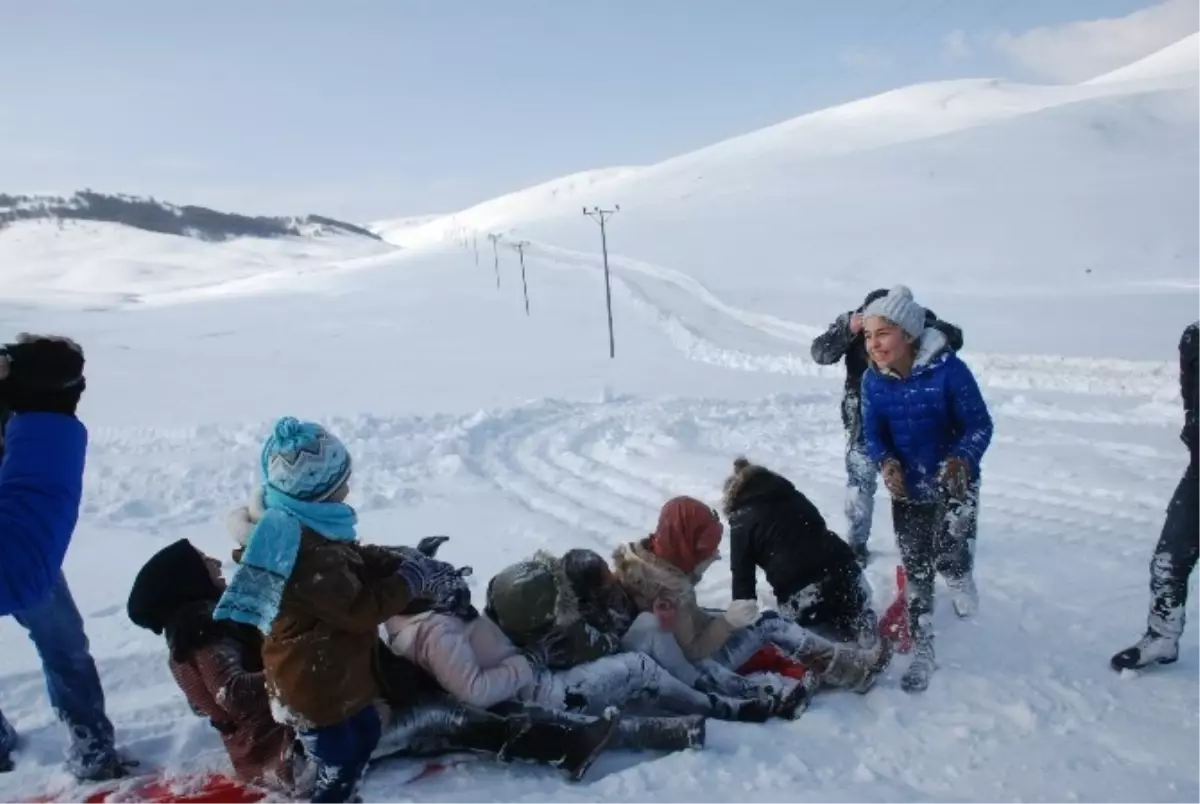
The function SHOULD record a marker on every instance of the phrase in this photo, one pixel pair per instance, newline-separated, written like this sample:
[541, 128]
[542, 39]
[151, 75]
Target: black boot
[570, 747]
[750, 710]
[660, 733]
[1152, 648]
[791, 705]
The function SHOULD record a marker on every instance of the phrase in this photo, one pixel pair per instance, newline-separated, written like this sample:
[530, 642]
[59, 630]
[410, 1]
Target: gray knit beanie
[899, 308]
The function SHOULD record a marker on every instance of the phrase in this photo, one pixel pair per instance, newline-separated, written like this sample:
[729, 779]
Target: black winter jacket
[774, 526]
[838, 343]
[1189, 345]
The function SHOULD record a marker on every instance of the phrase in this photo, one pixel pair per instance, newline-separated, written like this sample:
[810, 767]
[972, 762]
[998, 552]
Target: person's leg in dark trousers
[954, 550]
[342, 752]
[72, 682]
[1172, 565]
[917, 526]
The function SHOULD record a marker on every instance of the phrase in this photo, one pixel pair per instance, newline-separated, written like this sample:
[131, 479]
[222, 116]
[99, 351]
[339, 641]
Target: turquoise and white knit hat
[304, 460]
[899, 308]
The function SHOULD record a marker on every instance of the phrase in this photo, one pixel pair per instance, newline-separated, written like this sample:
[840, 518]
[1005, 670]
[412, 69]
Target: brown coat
[218, 686]
[320, 657]
[647, 578]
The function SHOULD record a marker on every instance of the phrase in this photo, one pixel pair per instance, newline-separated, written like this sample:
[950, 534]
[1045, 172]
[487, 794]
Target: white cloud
[955, 44]
[1081, 50]
[864, 58]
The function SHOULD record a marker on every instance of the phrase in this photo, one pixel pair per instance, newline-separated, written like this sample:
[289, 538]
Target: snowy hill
[1056, 224]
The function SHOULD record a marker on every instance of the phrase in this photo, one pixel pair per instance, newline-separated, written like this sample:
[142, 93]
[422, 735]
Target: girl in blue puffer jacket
[927, 427]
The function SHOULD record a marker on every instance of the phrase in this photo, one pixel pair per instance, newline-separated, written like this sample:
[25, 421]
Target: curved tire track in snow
[1156, 380]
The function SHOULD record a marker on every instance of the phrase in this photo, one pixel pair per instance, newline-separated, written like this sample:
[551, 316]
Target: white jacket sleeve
[447, 654]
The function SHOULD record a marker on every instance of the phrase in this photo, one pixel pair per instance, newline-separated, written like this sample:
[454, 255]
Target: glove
[742, 613]
[551, 651]
[955, 477]
[41, 374]
[893, 478]
[432, 580]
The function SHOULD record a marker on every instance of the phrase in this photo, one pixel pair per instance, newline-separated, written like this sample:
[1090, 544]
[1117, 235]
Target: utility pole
[520, 247]
[495, 238]
[600, 216]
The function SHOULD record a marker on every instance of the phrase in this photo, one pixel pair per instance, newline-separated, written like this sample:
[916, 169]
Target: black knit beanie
[175, 577]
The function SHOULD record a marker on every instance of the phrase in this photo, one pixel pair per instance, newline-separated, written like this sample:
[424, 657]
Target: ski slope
[1056, 225]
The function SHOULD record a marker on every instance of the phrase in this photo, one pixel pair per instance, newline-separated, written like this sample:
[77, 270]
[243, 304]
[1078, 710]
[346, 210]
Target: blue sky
[385, 108]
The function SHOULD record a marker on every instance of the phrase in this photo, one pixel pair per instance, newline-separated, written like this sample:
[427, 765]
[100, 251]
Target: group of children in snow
[565, 641]
[569, 656]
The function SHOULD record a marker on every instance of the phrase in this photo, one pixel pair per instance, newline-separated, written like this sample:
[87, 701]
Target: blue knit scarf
[257, 586]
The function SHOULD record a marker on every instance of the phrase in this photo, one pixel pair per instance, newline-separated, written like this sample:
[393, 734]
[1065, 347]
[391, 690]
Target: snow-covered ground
[1056, 225]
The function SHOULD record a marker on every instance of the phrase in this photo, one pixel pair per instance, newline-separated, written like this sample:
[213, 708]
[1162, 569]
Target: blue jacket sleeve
[876, 433]
[970, 413]
[41, 484]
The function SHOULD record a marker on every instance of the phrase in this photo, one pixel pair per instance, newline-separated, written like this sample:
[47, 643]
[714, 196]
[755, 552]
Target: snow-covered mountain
[1056, 224]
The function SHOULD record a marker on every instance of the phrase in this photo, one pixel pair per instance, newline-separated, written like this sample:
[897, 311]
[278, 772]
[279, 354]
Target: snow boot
[964, 596]
[573, 748]
[857, 669]
[748, 710]
[678, 733]
[916, 678]
[1152, 648]
[791, 705]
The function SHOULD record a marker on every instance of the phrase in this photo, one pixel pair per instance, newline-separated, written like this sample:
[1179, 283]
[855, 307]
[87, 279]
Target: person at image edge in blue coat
[927, 428]
[42, 453]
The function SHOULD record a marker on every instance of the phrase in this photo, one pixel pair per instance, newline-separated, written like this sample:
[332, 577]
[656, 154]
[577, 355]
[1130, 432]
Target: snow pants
[616, 681]
[1174, 558]
[936, 536]
[341, 753]
[72, 683]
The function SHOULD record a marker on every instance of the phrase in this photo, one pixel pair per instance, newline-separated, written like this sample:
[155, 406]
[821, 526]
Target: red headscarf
[688, 533]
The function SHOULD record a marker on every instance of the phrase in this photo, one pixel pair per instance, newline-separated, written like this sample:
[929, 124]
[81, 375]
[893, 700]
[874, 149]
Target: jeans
[72, 682]
[862, 476]
[645, 635]
[1174, 559]
[771, 629]
[341, 753]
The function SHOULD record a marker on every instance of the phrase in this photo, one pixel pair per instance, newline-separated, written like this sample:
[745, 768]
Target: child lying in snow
[566, 664]
[218, 665]
[663, 570]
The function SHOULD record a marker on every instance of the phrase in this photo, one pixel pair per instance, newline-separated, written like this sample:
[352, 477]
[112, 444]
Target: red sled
[894, 625]
[208, 788]
[770, 659]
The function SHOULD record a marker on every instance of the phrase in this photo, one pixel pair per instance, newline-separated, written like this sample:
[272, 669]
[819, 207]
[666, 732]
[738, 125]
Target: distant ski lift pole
[600, 216]
[475, 245]
[520, 247]
[495, 238]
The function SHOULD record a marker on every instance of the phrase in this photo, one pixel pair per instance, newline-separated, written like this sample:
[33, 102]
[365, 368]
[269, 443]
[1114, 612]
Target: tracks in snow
[716, 333]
